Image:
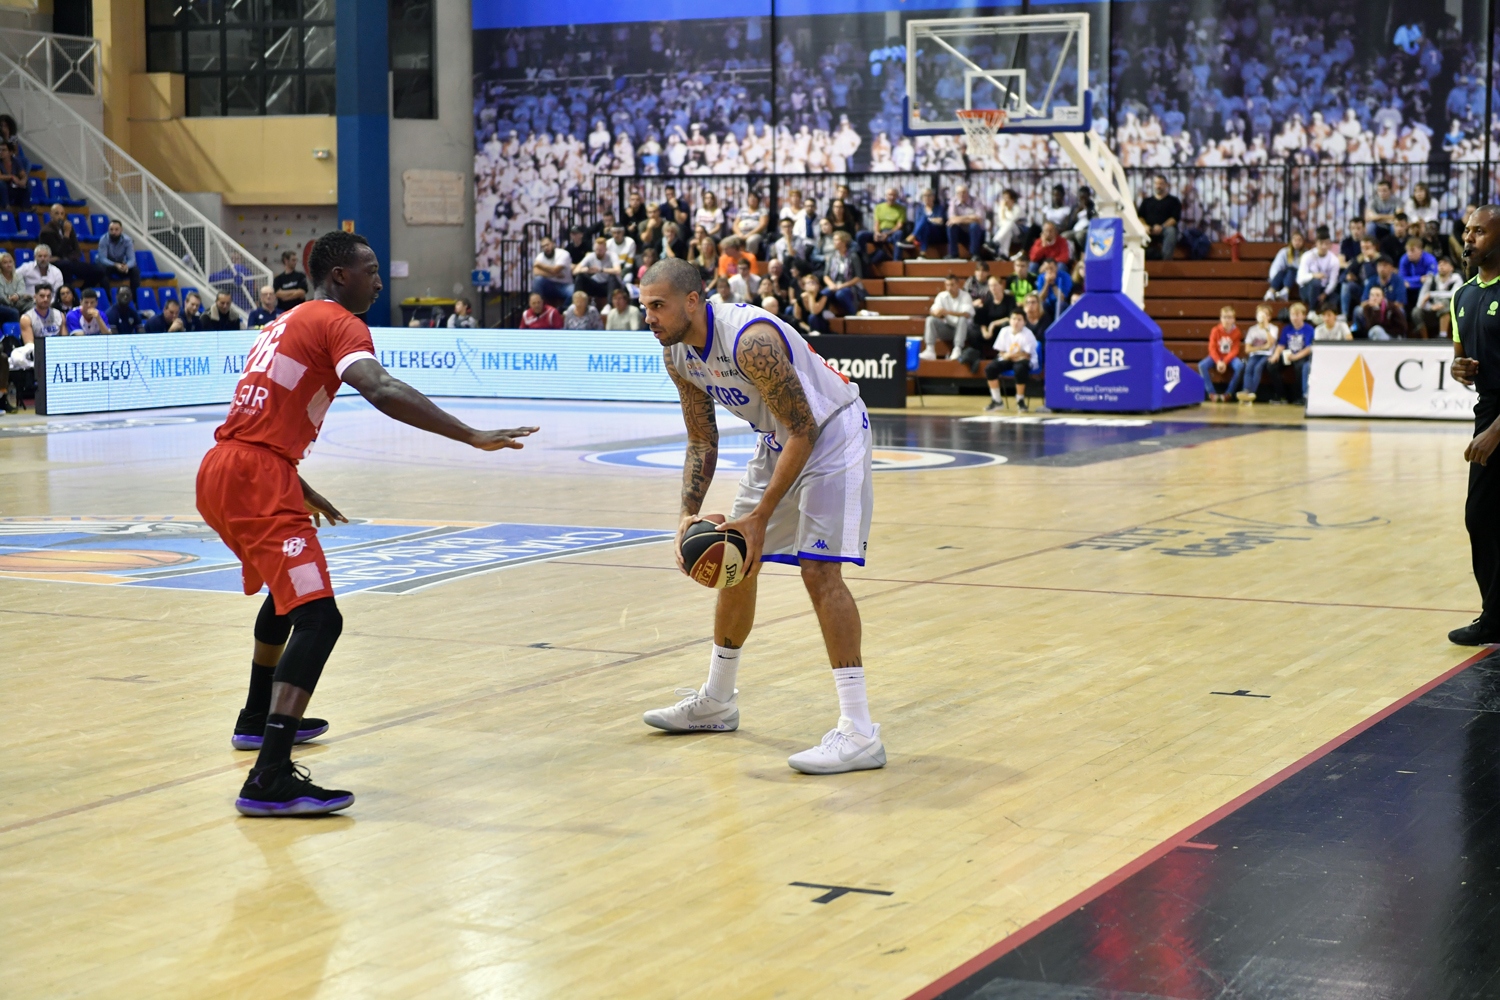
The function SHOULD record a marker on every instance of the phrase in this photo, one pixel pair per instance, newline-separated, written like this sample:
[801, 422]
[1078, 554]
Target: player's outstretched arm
[400, 401]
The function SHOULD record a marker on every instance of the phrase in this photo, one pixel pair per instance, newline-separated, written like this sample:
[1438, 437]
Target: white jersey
[715, 371]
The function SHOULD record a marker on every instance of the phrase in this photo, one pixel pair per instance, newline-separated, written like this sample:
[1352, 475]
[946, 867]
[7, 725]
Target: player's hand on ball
[753, 527]
[495, 440]
[688, 520]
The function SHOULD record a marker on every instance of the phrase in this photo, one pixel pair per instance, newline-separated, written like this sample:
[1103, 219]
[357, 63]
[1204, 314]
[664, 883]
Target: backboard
[1034, 66]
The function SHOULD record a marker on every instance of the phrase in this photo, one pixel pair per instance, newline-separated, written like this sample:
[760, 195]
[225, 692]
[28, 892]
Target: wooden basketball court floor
[1044, 641]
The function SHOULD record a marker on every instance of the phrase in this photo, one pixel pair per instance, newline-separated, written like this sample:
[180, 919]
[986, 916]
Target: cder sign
[876, 363]
[1409, 378]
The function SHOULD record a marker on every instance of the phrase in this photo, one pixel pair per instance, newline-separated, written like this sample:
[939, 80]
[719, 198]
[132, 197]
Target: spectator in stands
[752, 223]
[582, 315]
[676, 209]
[41, 271]
[192, 312]
[265, 311]
[649, 233]
[223, 314]
[791, 206]
[623, 247]
[85, 319]
[705, 257]
[1358, 274]
[1293, 350]
[979, 281]
[731, 253]
[599, 273]
[123, 316]
[1036, 319]
[41, 320]
[1015, 350]
[1420, 208]
[169, 320]
[462, 317]
[778, 281]
[1007, 223]
[1087, 212]
[1055, 288]
[14, 193]
[710, 216]
[673, 244]
[1381, 209]
[965, 222]
[117, 257]
[851, 211]
[1259, 341]
[1393, 243]
[578, 246]
[1416, 265]
[1388, 277]
[1381, 316]
[649, 256]
[744, 283]
[842, 217]
[66, 299]
[1431, 314]
[723, 295]
[291, 284]
[1349, 245]
[930, 222]
[1161, 214]
[823, 246]
[540, 314]
[948, 319]
[992, 308]
[552, 272]
[792, 250]
[1318, 271]
[810, 307]
[621, 313]
[843, 275]
[884, 241]
[1049, 246]
[635, 214]
[1284, 267]
[1225, 341]
[14, 296]
[1333, 326]
[805, 222]
[67, 253]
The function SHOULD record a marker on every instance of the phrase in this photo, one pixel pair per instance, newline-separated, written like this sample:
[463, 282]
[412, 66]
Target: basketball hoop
[981, 125]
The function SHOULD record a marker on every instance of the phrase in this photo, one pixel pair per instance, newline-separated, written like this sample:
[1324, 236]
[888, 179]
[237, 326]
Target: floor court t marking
[835, 891]
[1241, 693]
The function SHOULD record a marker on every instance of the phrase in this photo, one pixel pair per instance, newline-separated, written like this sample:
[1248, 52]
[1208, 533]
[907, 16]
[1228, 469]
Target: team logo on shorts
[293, 547]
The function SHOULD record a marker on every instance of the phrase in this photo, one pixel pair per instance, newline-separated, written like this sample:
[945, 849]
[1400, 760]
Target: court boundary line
[1026, 933]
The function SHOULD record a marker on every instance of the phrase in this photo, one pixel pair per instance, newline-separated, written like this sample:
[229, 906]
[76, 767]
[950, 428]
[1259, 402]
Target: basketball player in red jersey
[250, 493]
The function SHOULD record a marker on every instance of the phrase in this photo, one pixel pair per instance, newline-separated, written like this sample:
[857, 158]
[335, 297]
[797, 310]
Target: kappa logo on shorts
[293, 547]
[820, 544]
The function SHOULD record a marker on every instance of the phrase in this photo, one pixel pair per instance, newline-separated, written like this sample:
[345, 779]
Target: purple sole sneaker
[310, 729]
[305, 805]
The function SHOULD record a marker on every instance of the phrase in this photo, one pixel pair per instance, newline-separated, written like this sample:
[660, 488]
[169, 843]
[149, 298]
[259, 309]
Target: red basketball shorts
[252, 498]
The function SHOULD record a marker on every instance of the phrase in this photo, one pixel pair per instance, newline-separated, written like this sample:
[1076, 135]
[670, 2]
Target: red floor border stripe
[1093, 892]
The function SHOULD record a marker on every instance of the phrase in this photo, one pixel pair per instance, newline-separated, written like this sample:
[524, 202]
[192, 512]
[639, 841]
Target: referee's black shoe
[1476, 633]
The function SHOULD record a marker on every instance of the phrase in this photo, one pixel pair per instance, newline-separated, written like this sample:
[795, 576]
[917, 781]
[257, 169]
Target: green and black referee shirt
[1474, 313]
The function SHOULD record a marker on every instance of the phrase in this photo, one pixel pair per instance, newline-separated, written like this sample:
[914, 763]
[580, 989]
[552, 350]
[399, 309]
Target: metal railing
[95, 168]
[65, 64]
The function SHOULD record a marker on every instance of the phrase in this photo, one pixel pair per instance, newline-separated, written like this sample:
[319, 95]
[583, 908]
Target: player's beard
[671, 335]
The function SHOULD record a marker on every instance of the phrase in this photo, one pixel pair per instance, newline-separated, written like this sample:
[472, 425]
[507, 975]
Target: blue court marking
[735, 452]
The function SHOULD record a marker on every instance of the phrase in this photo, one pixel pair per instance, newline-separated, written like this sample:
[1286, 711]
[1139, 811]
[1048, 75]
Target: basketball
[712, 556]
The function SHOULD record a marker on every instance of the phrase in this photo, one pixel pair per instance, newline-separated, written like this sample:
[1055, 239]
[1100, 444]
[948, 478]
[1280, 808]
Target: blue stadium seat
[100, 226]
[28, 226]
[57, 192]
[146, 260]
[145, 299]
[81, 228]
[10, 330]
[38, 189]
[105, 299]
[24, 255]
[7, 225]
[168, 294]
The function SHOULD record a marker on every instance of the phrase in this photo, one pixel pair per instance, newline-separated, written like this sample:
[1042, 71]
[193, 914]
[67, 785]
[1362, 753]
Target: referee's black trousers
[1482, 518]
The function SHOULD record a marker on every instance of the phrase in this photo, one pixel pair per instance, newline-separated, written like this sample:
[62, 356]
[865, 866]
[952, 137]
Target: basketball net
[981, 125]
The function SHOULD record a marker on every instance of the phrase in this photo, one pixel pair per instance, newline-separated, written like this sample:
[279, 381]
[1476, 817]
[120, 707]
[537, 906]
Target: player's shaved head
[1482, 238]
[672, 296]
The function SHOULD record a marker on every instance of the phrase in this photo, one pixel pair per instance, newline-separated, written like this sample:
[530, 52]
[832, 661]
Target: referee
[1474, 311]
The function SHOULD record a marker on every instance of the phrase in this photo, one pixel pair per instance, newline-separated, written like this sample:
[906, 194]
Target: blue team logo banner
[145, 371]
[373, 556]
[736, 451]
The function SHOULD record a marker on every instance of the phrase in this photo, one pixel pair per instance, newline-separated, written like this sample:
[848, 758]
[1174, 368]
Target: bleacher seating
[167, 294]
[58, 193]
[81, 228]
[28, 226]
[10, 330]
[100, 226]
[38, 189]
[1184, 296]
[146, 260]
[24, 255]
[7, 225]
[145, 300]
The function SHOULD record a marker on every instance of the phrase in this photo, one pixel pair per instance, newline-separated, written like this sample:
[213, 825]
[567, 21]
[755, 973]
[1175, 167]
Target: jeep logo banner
[876, 363]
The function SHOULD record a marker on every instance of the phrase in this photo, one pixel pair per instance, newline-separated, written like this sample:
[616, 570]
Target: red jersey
[291, 375]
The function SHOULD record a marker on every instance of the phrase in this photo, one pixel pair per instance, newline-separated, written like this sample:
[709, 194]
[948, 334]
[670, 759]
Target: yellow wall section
[250, 161]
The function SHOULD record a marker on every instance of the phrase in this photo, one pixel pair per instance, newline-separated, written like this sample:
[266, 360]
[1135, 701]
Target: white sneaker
[696, 713]
[843, 749]
[928, 355]
[1269, 296]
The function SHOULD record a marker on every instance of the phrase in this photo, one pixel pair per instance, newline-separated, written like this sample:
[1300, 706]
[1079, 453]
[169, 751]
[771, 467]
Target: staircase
[95, 168]
[1185, 296]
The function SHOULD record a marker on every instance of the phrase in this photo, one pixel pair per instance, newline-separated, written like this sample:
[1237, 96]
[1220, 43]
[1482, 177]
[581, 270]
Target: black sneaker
[250, 731]
[994, 405]
[1021, 404]
[1476, 633]
[287, 790]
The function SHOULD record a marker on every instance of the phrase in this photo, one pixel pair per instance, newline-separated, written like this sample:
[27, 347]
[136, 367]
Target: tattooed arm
[762, 356]
[702, 449]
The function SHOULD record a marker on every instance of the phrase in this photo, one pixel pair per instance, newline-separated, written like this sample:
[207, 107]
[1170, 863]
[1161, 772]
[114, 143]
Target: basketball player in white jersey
[805, 499]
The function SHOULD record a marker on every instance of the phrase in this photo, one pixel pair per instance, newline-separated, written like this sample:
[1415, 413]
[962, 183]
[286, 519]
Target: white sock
[995, 394]
[722, 667]
[850, 682]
